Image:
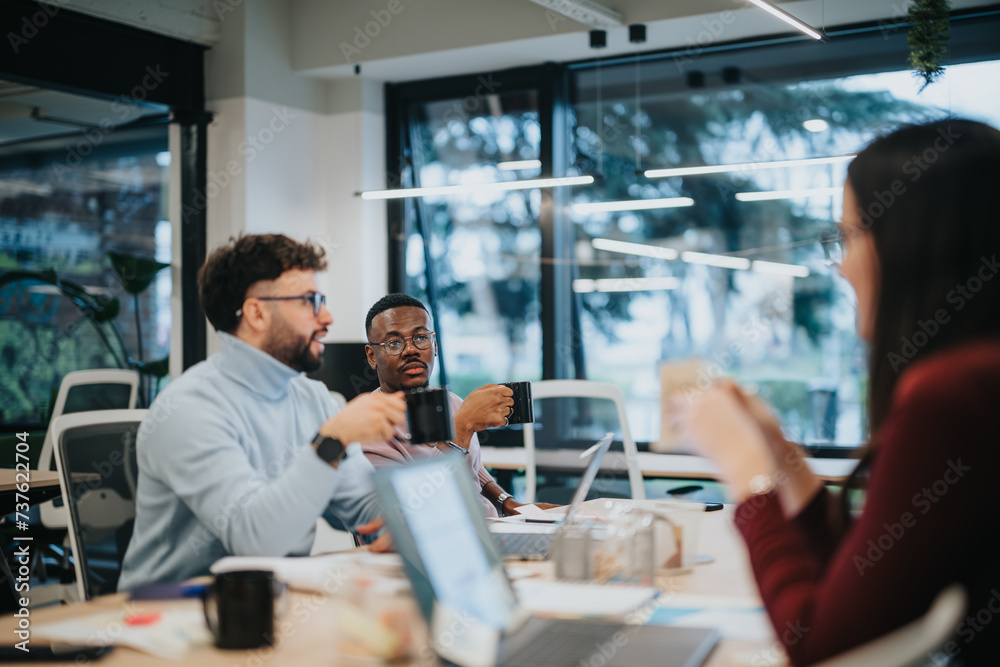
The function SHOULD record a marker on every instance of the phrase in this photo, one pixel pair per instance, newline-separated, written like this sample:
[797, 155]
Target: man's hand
[383, 542]
[368, 417]
[486, 407]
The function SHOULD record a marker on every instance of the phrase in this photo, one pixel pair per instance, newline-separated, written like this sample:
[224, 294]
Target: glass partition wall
[483, 248]
[725, 262]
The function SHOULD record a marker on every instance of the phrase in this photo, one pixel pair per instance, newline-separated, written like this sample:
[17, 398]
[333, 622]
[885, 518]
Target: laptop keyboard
[563, 643]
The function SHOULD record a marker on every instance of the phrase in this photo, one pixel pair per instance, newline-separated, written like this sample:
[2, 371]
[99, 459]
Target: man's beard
[293, 350]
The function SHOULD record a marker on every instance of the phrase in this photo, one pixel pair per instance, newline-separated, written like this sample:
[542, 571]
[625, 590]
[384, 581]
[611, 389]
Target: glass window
[730, 268]
[483, 248]
[65, 204]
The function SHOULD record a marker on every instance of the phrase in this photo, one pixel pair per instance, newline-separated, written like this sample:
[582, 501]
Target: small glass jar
[570, 551]
[622, 546]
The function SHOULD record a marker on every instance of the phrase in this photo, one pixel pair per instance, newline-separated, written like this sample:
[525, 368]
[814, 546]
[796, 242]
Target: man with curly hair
[241, 454]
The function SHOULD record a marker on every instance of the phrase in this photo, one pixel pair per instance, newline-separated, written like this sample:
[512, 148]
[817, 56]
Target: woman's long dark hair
[930, 197]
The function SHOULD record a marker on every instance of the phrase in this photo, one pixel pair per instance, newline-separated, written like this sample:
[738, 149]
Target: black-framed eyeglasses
[395, 346]
[317, 300]
[833, 246]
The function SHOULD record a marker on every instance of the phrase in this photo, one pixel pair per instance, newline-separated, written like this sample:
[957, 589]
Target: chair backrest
[914, 644]
[339, 399]
[582, 389]
[93, 453]
[85, 391]
[98, 389]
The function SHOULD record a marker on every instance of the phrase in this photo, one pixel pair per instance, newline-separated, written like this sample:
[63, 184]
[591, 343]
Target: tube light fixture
[777, 268]
[631, 205]
[722, 261]
[585, 285]
[475, 188]
[745, 166]
[515, 165]
[800, 193]
[791, 20]
[641, 249]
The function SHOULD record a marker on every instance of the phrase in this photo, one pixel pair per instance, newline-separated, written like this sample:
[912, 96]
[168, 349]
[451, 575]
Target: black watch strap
[329, 449]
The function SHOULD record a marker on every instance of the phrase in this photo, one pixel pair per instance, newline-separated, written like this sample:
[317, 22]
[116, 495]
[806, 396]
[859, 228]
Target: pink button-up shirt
[399, 449]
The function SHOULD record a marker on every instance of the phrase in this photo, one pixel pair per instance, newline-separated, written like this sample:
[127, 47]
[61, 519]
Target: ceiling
[432, 38]
[445, 37]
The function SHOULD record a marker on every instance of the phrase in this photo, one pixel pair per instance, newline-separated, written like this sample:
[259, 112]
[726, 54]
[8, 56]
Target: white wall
[287, 153]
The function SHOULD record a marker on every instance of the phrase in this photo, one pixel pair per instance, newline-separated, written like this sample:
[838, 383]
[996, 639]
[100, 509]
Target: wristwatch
[761, 485]
[329, 449]
[501, 499]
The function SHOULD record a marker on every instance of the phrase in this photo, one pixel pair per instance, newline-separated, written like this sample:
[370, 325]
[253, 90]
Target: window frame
[862, 48]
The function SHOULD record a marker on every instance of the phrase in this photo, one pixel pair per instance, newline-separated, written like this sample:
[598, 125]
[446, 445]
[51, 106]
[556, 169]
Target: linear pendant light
[640, 249]
[791, 20]
[631, 205]
[799, 193]
[475, 188]
[516, 165]
[722, 261]
[745, 166]
[585, 285]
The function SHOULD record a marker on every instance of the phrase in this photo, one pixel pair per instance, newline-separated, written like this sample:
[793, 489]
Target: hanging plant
[928, 38]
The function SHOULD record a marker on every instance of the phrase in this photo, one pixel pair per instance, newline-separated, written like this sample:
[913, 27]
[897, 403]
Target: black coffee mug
[522, 411]
[240, 608]
[429, 415]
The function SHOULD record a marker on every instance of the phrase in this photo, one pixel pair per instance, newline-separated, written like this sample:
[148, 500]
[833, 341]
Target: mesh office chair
[914, 644]
[582, 389]
[95, 456]
[85, 391]
[79, 392]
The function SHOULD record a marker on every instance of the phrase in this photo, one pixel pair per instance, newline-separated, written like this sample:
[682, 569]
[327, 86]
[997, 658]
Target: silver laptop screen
[444, 533]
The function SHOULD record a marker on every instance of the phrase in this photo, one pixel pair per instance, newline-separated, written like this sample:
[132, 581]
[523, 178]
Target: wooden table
[673, 466]
[311, 616]
[37, 479]
[43, 485]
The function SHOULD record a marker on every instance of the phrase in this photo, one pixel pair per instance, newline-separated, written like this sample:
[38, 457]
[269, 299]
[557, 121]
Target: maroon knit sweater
[929, 519]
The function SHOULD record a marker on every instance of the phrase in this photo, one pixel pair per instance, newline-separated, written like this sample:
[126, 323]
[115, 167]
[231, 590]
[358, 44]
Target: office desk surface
[674, 466]
[37, 478]
[312, 615]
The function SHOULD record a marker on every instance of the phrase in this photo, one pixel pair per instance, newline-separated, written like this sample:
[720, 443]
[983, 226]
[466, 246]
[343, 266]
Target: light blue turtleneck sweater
[226, 468]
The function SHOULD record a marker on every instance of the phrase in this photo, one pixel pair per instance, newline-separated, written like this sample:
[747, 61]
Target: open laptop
[462, 588]
[531, 540]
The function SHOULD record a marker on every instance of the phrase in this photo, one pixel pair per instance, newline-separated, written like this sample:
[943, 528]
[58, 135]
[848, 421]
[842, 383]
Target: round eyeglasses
[315, 298]
[395, 346]
[833, 247]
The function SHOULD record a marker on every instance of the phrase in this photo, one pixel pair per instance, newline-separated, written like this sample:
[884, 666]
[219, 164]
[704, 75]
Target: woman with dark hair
[921, 235]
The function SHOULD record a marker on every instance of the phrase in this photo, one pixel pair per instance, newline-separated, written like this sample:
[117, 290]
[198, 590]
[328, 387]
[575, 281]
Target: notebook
[532, 541]
[461, 587]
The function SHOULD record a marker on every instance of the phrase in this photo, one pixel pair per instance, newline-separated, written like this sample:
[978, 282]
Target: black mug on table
[240, 608]
[521, 412]
[429, 414]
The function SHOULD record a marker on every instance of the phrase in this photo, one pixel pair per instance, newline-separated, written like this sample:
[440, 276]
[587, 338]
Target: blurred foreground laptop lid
[458, 579]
